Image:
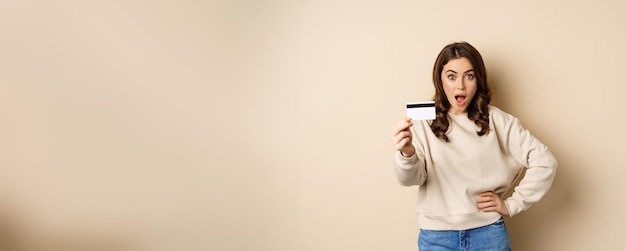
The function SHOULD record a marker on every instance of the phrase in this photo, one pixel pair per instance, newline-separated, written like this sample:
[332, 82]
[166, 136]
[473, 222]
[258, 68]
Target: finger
[488, 193]
[489, 209]
[401, 136]
[399, 129]
[487, 204]
[486, 196]
[401, 141]
[402, 144]
[483, 199]
[403, 125]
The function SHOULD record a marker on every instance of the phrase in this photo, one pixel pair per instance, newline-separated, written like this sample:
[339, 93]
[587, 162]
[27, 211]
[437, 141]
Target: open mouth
[460, 99]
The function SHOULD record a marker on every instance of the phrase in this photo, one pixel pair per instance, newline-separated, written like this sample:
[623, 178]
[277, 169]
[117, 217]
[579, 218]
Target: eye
[469, 76]
[451, 77]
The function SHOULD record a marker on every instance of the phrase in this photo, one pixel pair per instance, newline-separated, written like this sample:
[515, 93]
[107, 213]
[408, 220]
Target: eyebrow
[464, 72]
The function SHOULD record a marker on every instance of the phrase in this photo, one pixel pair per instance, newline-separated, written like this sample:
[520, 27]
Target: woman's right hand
[402, 138]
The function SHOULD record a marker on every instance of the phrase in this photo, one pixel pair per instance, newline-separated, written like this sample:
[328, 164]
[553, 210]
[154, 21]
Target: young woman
[466, 159]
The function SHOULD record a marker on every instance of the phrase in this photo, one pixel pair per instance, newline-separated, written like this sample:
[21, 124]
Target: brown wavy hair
[478, 110]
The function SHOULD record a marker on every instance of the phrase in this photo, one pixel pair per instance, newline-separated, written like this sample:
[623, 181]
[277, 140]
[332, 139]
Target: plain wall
[265, 125]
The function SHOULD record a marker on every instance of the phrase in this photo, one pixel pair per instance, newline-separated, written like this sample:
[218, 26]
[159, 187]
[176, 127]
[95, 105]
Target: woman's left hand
[491, 202]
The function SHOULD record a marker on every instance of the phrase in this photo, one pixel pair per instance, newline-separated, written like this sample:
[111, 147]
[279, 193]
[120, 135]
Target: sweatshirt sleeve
[541, 168]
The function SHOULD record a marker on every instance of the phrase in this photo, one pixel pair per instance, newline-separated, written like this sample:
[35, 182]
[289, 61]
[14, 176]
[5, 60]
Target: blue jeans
[488, 238]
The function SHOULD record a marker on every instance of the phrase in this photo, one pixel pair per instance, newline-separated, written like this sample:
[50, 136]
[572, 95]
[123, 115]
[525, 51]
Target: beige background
[264, 125]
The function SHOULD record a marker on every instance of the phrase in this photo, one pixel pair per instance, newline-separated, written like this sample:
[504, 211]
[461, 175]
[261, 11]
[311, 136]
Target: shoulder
[498, 113]
[500, 117]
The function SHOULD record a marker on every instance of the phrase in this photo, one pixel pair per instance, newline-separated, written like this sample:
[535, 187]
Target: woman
[467, 158]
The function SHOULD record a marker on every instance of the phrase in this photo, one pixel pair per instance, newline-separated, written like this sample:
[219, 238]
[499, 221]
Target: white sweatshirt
[451, 175]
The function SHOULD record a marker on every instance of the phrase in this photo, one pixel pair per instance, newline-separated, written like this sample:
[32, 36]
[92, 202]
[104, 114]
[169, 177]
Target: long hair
[478, 109]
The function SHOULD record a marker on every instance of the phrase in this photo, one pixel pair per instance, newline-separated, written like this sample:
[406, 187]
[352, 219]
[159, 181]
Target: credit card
[421, 110]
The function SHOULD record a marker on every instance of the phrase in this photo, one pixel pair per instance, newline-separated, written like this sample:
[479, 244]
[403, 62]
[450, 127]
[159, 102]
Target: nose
[461, 85]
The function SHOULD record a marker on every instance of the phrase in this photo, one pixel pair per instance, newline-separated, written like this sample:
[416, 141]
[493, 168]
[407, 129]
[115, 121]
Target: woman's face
[459, 84]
